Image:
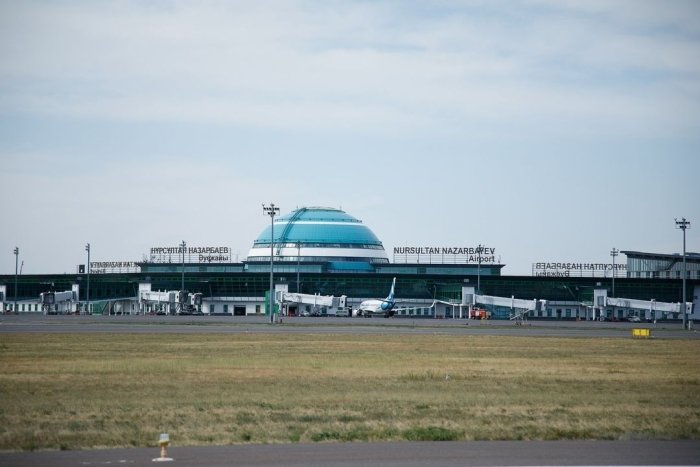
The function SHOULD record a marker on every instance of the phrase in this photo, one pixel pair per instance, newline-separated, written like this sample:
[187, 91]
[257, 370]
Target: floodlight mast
[298, 259]
[478, 269]
[87, 293]
[183, 245]
[271, 211]
[683, 224]
[16, 252]
[614, 252]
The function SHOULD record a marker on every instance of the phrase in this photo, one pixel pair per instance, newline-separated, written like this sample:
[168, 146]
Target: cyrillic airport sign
[193, 254]
[105, 267]
[573, 269]
[163, 254]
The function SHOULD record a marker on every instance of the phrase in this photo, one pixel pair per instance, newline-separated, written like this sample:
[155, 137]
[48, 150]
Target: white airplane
[376, 307]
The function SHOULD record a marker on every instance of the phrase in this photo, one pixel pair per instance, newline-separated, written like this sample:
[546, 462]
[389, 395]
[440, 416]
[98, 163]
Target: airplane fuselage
[376, 306]
[379, 307]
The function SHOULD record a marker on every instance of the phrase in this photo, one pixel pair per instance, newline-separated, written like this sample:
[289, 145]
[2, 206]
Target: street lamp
[87, 294]
[683, 225]
[271, 211]
[298, 259]
[478, 270]
[16, 252]
[183, 245]
[614, 252]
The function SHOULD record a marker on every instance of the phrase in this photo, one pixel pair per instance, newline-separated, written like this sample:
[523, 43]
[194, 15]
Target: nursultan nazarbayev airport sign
[444, 254]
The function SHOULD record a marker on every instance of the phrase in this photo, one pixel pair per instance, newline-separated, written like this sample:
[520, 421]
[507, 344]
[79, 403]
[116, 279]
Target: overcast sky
[549, 130]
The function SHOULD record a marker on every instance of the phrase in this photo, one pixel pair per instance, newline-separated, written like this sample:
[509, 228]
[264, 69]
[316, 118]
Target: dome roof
[319, 226]
[320, 234]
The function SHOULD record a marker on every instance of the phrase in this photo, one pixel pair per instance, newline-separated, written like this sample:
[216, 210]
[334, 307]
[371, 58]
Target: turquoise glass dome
[320, 234]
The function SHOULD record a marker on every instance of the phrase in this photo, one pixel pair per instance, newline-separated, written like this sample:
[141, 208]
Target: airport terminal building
[327, 252]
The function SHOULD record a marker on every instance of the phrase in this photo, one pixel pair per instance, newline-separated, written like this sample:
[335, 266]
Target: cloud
[350, 66]
[129, 116]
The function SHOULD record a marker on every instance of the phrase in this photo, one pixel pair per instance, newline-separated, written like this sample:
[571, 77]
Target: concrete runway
[403, 454]
[38, 323]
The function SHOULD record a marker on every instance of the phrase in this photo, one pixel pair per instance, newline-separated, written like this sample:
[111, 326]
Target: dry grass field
[63, 391]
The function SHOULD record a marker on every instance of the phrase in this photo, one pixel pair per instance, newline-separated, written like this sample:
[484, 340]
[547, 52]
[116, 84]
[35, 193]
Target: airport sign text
[470, 254]
[569, 269]
[428, 250]
[200, 254]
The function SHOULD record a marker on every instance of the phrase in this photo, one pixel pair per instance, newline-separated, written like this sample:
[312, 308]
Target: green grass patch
[62, 391]
[432, 433]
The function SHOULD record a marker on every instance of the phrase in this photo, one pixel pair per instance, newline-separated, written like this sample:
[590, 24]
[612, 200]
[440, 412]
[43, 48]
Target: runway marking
[122, 461]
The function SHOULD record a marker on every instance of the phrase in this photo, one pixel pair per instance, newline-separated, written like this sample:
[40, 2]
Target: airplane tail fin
[391, 293]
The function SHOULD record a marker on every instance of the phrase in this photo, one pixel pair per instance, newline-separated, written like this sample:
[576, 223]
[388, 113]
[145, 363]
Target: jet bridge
[333, 305]
[651, 305]
[56, 302]
[642, 309]
[171, 302]
[59, 302]
[467, 309]
[518, 307]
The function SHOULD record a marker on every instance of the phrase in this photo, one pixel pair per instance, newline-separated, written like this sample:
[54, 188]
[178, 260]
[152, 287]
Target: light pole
[614, 252]
[478, 270]
[271, 211]
[683, 225]
[16, 252]
[298, 259]
[183, 245]
[87, 294]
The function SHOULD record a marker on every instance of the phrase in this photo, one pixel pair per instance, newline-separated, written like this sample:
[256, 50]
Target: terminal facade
[326, 251]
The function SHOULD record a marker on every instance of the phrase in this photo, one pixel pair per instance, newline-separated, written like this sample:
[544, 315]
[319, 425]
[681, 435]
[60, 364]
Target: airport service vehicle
[377, 307]
[479, 313]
